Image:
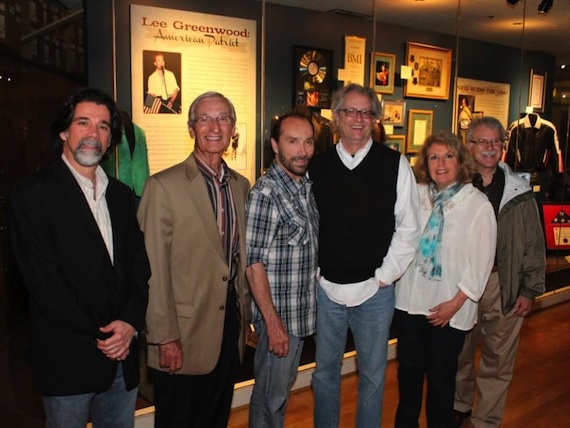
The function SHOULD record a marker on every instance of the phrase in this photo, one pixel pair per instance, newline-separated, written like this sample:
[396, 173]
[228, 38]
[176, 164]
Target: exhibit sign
[177, 55]
[477, 98]
[354, 59]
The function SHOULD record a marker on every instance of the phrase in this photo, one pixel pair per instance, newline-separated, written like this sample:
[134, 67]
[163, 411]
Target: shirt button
[222, 308]
[224, 278]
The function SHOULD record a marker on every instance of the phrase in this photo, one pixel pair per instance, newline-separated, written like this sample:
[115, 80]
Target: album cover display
[312, 69]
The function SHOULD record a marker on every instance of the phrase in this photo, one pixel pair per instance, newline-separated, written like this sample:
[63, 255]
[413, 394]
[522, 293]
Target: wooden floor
[539, 396]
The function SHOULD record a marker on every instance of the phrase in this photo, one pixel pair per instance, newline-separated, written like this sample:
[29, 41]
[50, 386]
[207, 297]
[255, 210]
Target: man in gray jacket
[517, 278]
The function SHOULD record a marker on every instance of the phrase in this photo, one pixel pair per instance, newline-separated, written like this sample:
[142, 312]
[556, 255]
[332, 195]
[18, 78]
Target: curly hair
[66, 112]
[455, 146]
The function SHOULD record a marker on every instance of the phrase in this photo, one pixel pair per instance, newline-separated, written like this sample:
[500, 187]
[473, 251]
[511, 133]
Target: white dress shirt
[97, 202]
[404, 240]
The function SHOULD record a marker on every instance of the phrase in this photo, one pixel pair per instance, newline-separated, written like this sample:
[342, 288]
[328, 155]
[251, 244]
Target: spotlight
[513, 2]
[545, 6]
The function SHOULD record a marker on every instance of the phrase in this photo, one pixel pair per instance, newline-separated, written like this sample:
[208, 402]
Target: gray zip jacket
[521, 257]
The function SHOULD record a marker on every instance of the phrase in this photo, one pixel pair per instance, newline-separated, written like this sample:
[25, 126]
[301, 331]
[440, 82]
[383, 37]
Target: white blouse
[467, 256]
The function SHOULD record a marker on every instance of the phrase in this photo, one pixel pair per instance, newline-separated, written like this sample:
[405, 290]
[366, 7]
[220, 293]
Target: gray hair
[205, 95]
[338, 99]
[489, 122]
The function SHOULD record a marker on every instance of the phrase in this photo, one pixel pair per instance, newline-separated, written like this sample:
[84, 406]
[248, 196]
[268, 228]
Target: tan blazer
[189, 280]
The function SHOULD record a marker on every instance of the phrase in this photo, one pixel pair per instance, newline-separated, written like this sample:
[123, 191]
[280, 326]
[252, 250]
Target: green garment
[133, 170]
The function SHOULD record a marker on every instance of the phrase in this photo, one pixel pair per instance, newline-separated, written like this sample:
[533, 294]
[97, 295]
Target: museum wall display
[298, 58]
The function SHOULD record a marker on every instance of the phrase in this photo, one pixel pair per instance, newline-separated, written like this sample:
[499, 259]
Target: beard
[288, 164]
[87, 156]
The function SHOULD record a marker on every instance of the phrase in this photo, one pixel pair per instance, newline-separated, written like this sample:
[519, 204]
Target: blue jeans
[113, 408]
[274, 377]
[370, 326]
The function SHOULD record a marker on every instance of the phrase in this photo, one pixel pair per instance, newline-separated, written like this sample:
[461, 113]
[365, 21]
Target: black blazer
[74, 287]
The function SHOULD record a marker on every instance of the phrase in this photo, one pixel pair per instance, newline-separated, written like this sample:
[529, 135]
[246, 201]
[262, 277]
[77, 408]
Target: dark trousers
[426, 351]
[201, 401]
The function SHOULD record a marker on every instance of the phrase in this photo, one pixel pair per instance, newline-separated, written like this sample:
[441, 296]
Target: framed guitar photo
[382, 67]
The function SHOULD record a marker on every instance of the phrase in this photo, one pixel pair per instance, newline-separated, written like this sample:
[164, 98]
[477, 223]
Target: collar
[498, 179]
[220, 177]
[100, 177]
[527, 124]
[360, 154]
[277, 172]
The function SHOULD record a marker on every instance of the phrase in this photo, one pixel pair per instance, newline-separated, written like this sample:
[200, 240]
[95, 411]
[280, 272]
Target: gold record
[312, 67]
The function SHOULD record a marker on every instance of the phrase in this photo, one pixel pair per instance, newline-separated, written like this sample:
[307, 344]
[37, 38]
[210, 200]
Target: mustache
[489, 152]
[300, 158]
[90, 142]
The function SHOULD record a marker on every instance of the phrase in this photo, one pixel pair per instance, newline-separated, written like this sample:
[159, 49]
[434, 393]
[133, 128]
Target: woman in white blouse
[436, 299]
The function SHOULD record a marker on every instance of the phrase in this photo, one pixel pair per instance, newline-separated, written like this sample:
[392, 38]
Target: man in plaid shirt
[282, 237]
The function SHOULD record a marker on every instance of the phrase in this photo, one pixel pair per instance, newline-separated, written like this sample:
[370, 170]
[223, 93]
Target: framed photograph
[419, 128]
[393, 112]
[412, 159]
[312, 71]
[396, 142]
[431, 71]
[537, 90]
[156, 83]
[382, 66]
[556, 224]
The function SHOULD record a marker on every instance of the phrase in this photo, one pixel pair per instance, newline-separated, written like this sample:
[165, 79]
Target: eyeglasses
[223, 120]
[495, 142]
[365, 114]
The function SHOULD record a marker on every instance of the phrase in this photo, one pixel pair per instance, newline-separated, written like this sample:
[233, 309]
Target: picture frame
[313, 75]
[431, 71]
[412, 158]
[556, 226]
[420, 124]
[396, 142]
[537, 90]
[393, 112]
[382, 67]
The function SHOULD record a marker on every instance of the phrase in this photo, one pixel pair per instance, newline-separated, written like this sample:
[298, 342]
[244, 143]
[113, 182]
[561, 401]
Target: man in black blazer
[82, 258]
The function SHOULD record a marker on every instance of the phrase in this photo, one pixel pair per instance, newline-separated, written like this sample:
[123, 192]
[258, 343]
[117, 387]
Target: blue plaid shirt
[282, 233]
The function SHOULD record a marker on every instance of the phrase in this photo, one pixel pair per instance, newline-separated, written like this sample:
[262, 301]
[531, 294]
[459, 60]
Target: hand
[278, 338]
[522, 307]
[117, 346]
[170, 356]
[442, 313]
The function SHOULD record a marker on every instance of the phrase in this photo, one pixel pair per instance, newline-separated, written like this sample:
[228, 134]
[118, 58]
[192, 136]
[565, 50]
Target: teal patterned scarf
[429, 260]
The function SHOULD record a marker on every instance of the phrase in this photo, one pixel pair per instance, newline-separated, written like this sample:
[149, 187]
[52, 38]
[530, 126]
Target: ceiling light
[545, 6]
[513, 2]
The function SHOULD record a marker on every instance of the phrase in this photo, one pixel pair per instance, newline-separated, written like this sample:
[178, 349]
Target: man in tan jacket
[193, 219]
